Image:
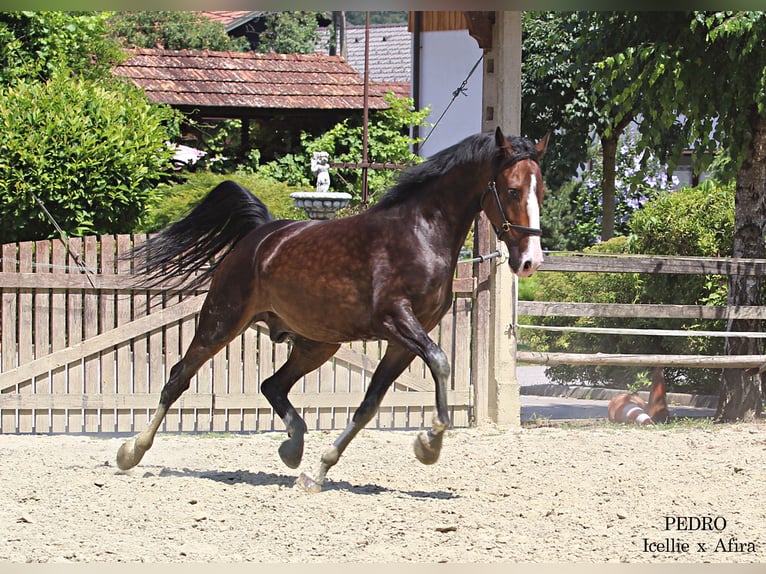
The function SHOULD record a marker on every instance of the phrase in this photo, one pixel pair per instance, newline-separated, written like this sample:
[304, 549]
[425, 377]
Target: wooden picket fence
[82, 351]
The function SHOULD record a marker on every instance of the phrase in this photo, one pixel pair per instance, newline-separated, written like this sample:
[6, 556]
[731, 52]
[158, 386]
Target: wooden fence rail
[644, 264]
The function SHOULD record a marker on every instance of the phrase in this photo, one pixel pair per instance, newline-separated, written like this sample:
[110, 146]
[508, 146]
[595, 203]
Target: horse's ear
[500, 141]
[542, 145]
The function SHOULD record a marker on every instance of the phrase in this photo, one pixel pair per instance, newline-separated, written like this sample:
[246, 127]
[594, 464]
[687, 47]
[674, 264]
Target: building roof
[400, 89]
[230, 19]
[248, 81]
[390, 51]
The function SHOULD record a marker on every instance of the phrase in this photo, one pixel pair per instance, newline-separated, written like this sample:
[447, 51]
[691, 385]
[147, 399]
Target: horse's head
[513, 199]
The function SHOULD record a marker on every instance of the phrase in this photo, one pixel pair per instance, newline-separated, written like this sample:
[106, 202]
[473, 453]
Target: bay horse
[383, 274]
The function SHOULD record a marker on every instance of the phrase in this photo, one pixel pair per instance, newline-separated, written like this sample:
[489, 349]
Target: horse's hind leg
[132, 451]
[391, 366]
[305, 356]
[220, 321]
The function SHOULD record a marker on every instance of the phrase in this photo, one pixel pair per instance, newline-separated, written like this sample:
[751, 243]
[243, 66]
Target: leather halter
[506, 226]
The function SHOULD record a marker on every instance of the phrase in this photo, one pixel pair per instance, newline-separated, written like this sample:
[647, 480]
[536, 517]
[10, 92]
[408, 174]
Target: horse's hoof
[128, 455]
[291, 454]
[308, 484]
[427, 447]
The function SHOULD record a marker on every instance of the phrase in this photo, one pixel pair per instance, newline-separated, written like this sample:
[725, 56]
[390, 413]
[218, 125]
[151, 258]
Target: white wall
[446, 59]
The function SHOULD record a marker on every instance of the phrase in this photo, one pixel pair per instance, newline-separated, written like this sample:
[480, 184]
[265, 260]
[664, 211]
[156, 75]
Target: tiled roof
[390, 51]
[400, 89]
[248, 80]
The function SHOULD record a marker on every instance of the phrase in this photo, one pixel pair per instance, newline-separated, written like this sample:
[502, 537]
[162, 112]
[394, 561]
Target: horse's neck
[456, 205]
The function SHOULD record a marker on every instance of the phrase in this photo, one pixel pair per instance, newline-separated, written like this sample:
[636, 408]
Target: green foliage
[38, 45]
[564, 90]
[673, 66]
[692, 221]
[289, 33]
[551, 100]
[573, 214]
[90, 151]
[695, 221]
[171, 202]
[172, 30]
[388, 142]
[639, 177]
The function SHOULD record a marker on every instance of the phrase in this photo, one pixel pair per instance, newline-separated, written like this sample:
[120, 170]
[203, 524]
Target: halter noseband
[506, 226]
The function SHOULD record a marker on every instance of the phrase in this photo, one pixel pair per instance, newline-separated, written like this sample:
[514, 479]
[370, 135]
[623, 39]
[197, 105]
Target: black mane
[477, 148]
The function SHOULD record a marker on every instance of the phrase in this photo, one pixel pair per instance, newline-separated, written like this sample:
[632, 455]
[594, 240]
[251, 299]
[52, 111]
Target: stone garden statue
[320, 165]
[322, 203]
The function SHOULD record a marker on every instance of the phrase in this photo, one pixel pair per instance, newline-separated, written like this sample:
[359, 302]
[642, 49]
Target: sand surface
[593, 494]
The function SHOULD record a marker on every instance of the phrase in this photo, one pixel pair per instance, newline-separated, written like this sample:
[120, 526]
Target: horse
[382, 274]
[631, 408]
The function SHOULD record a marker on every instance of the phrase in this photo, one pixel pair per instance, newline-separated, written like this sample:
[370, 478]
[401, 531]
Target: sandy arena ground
[588, 494]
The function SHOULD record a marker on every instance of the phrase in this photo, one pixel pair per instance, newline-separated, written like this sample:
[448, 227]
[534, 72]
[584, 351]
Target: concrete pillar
[502, 107]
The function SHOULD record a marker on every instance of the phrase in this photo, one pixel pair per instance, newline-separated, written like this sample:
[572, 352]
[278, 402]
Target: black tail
[194, 245]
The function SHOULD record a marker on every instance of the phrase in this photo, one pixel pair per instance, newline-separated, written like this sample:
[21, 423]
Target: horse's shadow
[260, 478]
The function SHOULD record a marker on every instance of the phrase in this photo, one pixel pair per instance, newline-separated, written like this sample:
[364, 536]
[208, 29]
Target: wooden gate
[83, 352]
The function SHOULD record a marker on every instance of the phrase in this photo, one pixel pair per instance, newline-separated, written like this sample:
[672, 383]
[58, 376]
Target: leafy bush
[172, 30]
[170, 203]
[92, 152]
[37, 45]
[692, 221]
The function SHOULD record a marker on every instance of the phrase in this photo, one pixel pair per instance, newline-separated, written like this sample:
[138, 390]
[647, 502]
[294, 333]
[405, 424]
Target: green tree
[92, 153]
[289, 33]
[550, 99]
[561, 52]
[172, 30]
[695, 221]
[704, 73]
[37, 45]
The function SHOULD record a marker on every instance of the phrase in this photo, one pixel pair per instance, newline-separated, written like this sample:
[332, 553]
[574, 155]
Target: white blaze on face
[533, 254]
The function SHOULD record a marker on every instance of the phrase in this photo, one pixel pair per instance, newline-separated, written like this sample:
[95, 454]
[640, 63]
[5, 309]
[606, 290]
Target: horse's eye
[514, 193]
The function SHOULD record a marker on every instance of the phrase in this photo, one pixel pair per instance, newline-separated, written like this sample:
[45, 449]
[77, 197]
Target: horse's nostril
[527, 265]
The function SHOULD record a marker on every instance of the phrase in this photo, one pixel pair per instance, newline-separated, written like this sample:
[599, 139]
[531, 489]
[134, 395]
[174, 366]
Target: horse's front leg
[306, 355]
[412, 335]
[428, 444]
[391, 366]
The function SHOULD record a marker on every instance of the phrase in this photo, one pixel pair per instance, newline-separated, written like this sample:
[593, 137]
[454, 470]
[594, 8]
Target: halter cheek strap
[506, 226]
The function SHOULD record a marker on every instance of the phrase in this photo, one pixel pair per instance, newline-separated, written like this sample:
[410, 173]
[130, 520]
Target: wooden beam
[643, 310]
[694, 361]
[9, 379]
[480, 27]
[654, 264]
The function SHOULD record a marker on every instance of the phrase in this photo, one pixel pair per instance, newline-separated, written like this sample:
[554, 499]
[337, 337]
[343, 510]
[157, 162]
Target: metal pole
[366, 104]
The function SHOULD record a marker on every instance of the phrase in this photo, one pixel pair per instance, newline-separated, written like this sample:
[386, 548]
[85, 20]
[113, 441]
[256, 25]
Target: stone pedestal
[320, 205]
